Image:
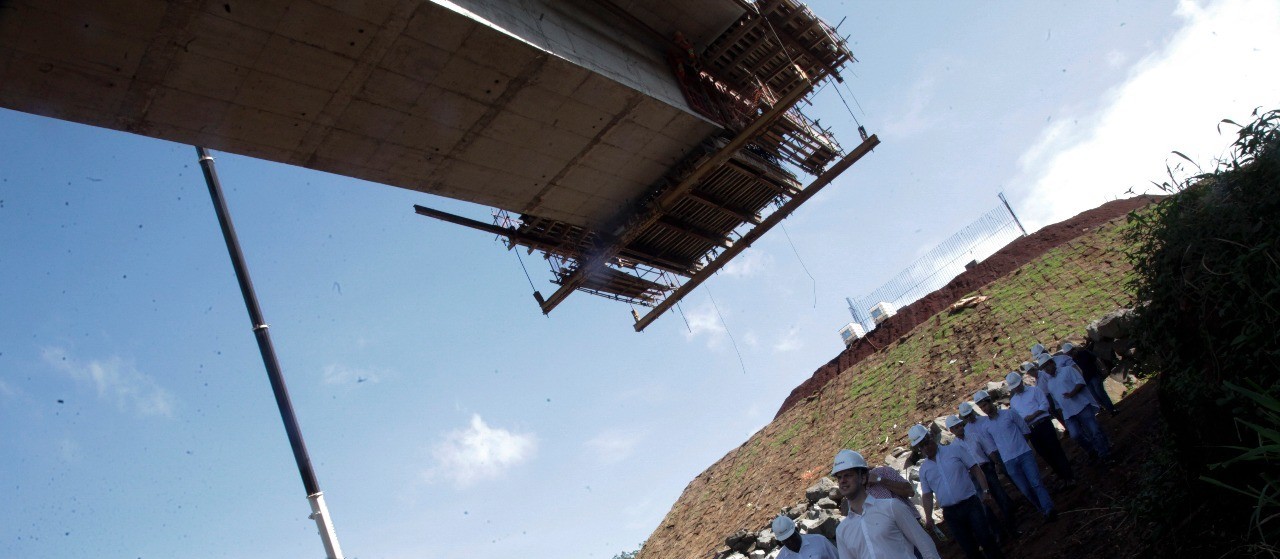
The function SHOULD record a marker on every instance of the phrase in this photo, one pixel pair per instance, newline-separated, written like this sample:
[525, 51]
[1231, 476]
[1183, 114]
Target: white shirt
[1029, 401]
[970, 443]
[976, 433]
[946, 475]
[1065, 381]
[812, 546]
[886, 529]
[1006, 433]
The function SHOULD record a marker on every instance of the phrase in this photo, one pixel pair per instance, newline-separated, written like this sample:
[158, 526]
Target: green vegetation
[1207, 266]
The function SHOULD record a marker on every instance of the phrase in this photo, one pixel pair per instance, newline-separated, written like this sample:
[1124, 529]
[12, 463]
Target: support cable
[742, 363]
[802, 266]
[526, 271]
[686, 319]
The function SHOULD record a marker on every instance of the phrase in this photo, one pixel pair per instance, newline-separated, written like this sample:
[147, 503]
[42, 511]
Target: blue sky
[445, 415]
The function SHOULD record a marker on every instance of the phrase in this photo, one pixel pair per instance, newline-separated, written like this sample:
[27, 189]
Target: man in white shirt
[1033, 406]
[800, 546]
[1007, 433]
[949, 473]
[1006, 521]
[1066, 386]
[875, 528]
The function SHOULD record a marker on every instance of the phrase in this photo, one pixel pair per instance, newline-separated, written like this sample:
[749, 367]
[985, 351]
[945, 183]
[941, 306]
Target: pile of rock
[818, 513]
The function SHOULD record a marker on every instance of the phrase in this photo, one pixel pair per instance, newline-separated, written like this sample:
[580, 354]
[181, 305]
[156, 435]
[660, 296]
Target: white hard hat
[1043, 358]
[953, 420]
[916, 434]
[1067, 347]
[966, 409]
[1037, 349]
[847, 459]
[1026, 366]
[1012, 380]
[783, 527]
[980, 396]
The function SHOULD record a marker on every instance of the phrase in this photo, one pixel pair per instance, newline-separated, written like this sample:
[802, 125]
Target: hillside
[918, 366]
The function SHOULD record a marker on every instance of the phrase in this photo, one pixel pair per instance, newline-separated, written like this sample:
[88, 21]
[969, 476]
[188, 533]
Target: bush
[1207, 265]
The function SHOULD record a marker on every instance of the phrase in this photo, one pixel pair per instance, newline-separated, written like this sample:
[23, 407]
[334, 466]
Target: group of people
[962, 477]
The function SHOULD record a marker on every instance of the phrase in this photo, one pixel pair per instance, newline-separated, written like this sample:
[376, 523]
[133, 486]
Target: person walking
[875, 528]
[1091, 369]
[1066, 387]
[949, 473]
[800, 546]
[1005, 523]
[1005, 431]
[1033, 406]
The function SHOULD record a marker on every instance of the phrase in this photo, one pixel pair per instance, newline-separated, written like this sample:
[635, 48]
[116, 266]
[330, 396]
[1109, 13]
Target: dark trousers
[1044, 438]
[967, 521]
[1001, 497]
[1100, 393]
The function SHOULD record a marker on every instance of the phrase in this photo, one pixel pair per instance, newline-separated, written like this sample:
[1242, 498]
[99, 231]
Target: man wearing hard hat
[1033, 406]
[949, 472]
[800, 546]
[958, 426]
[1066, 386]
[875, 528]
[1005, 434]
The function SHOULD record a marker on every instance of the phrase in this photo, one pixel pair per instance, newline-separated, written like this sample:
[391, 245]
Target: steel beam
[754, 234]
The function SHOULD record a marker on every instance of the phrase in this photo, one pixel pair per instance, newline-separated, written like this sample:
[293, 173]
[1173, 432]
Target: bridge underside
[636, 144]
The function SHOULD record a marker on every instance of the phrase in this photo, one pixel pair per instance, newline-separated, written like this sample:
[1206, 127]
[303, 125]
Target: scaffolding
[714, 203]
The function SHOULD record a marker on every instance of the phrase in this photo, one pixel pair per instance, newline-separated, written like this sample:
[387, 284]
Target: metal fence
[936, 268]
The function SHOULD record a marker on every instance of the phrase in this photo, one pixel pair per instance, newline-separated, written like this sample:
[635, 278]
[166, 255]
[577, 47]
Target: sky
[444, 414]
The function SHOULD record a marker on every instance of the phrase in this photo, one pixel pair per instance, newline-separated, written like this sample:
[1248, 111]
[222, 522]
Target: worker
[800, 546]
[949, 473]
[1007, 433]
[1005, 523]
[1066, 387]
[1091, 368]
[1032, 405]
[875, 528]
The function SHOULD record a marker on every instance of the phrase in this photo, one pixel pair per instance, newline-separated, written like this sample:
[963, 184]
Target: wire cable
[787, 234]
[742, 363]
[526, 270]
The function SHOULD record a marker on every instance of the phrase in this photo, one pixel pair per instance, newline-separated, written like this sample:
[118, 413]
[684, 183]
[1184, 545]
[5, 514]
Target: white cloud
[612, 446]
[115, 380]
[912, 117]
[6, 390]
[479, 452]
[747, 264]
[705, 321]
[1220, 64]
[342, 374]
[789, 342]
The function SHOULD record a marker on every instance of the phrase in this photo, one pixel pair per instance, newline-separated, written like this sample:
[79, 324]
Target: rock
[825, 524]
[1115, 324]
[797, 511]
[741, 541]
[757, 554]
[897, 458]
[773, 554]
[736, 555]
[766, 539]
[827, 503]
[821, 489]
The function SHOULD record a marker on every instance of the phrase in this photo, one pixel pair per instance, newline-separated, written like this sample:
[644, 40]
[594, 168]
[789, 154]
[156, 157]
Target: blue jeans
[1100, 393]
[1025, 475]
[1086, 431]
